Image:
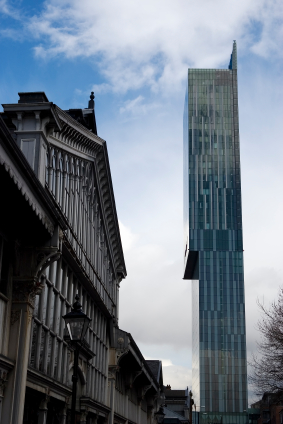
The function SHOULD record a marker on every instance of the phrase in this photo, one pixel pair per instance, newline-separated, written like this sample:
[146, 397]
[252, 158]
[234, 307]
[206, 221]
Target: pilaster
[43, 409]
[112, 369]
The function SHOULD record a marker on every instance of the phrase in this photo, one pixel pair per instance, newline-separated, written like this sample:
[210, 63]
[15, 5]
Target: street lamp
[77, 323]
[159, 415]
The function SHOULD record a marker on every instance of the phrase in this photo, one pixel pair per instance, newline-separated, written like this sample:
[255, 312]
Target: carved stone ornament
[131, 377]
[30, 314]
[43, 404]
[25, 291]
[144, 390]
[120, 353]
[112, 369]
[136, 374]
[25, 288]
[83, 418]
[45, 260]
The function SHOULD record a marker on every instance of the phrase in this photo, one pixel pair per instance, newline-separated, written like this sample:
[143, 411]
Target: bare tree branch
[267, 374]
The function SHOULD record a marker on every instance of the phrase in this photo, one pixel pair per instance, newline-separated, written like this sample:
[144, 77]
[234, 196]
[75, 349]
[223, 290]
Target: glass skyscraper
[213, 242]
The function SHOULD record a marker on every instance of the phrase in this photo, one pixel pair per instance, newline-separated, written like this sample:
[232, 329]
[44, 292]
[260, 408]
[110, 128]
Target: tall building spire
[234, 55]
[233, 58]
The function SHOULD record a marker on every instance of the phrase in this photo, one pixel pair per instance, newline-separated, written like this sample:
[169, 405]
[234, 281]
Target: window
[28, 149]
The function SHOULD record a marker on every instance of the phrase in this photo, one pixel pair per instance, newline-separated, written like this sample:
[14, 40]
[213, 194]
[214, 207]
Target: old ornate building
[59, 236]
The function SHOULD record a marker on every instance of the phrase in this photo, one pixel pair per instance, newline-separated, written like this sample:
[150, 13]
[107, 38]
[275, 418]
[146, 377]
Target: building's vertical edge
[234, 56]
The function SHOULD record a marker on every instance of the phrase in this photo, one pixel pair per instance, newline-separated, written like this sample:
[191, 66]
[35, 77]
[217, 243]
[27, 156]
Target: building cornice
[34, 107]
[87, 139]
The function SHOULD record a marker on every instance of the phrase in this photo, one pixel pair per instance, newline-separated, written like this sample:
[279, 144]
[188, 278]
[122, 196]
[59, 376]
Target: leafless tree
[267, 365]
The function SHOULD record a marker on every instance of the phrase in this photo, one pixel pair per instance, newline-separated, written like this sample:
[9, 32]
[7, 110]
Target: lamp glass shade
[77, 322]
[77, 327]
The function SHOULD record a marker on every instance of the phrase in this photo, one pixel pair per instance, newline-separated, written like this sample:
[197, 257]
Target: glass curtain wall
[213, 233]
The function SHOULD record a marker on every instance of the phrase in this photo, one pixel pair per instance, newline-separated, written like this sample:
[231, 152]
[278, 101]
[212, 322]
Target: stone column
[42, 416]
[112, 369]
[63, 414]
[21, 316]
[29, 263]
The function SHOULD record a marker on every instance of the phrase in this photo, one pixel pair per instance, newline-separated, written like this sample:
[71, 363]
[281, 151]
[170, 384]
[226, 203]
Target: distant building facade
[177, 401]
[269, 409]
[59, 236]
[213, 240]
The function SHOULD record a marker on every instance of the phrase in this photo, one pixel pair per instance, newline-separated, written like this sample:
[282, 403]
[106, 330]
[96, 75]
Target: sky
[135, 56]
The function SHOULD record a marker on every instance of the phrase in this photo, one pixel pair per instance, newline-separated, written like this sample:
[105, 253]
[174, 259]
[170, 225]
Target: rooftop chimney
[33, 97]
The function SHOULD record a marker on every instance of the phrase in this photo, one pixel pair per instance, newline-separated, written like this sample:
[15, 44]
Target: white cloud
[152, 43]
[101, 88]
[4, 7]
[14, 10]
[177, 377]
[272, 31]
[154, 280]
[132, 105]
[138, 106]
[127, 237]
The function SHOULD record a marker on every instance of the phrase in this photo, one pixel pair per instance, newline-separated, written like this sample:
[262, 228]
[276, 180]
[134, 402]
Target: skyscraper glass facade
[213, 239]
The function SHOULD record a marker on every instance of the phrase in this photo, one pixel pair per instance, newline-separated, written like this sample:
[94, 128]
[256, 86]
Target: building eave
[96, 148]
[23, 166]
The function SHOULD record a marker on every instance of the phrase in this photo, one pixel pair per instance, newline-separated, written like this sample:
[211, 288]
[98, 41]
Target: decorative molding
[30, 314]
[89, 142]
[143, 390]
[29, 265]
[45, 260]
[25, 291]
[120, 353]
[130, 378]
[43, 404]
[136, 375]
[112, 370]
[83, 418]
